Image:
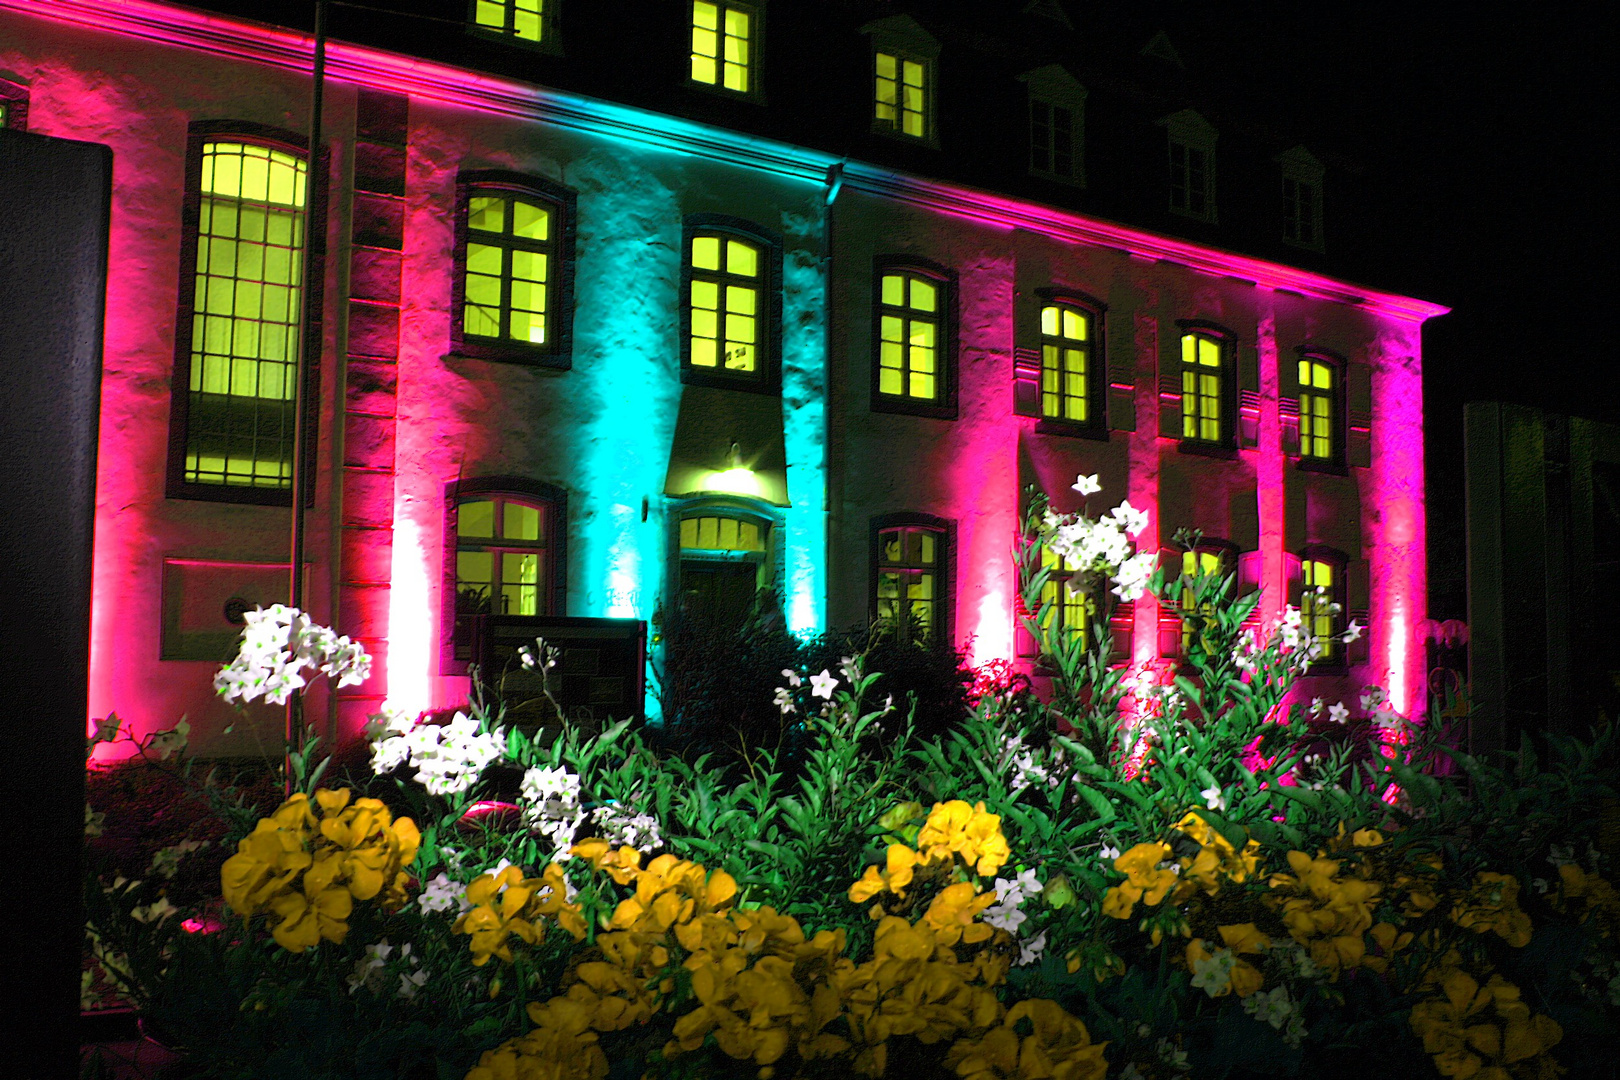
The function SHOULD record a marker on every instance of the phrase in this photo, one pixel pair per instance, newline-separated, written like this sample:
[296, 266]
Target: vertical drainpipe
[834, 183]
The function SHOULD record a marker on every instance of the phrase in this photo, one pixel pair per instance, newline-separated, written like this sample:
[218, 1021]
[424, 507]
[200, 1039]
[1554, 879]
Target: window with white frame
[1191, 141]
[1302, 176]
[1056, 124]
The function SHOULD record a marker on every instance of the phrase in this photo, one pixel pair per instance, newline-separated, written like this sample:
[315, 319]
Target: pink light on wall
[1393, 516]
[412, 630]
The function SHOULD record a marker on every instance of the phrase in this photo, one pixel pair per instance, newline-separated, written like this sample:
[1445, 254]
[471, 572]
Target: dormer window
[526, 21]
[1192, 165]
[904, 59]
[723, 45]
[1056, 124]
[1301, 198]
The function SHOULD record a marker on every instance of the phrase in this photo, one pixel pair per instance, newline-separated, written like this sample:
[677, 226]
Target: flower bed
[1136, 878]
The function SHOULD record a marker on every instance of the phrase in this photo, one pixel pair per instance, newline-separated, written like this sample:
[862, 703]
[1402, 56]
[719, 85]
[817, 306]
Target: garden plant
[1178, 871]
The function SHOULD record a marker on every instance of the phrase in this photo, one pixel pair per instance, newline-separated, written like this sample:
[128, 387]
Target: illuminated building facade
[586, 352]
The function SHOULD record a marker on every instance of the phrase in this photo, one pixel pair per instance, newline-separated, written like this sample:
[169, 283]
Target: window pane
[923, 295]
[706, 252]
[741, 259]
[529, 221]
[521, 522]
[486, 214]
[1050, 317]
[894, 290]
[476, 518]
[474, 567]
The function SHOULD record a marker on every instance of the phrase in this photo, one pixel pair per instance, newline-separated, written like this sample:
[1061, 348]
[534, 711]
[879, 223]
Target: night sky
[1489, 143]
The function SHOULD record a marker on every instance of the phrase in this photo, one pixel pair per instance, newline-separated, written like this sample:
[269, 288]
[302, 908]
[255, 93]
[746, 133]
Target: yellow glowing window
[908, 569]
[1065, 363]
[508, 268]
[1202, 562]
[722, 45]
[1316, 409]
[727, 322]
[1316, 604]
[4, 113]
[716, 533]
[1202, 372]
[908, 336]
[902, 95]
[501, 566]
[1063, 603]
[245, 311]
[521, 19]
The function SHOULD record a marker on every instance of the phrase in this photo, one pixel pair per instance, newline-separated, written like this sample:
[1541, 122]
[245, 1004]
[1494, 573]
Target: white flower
[622, 828]
[550, 803]
[784, 701]
[541, 658]
[821, 686]
[1108, 853]
[155, 912]
[1316, 706]
[449, 759]
[1005, 918]
[1213, 798]
[1087, 485]
[1373, 698]
[173, 740]
[792, 677]
[1386, 719]
[442, 893]
[1352, 632]
[410, 984]
[850, 668]
[1337, 713]
[1132, 577]
[1031, 950]
[1213, 973]
[278, 643]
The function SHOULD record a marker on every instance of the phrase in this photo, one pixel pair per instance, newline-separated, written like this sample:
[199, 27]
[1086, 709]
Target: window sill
[540, 360]
[890, 134]
[747, 384]
[1207, 219]
[1220, 451]
[1319, 465]
[548, 45]
[1047, 425]
[715, 92]
[230, 493]
[888, 403]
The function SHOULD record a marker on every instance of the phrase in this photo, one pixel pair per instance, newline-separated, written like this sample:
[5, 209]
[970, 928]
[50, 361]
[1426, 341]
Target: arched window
[1322, 595]
[1206, 387]
[507, 544]
[732, 308]
[1065, 605]
[514, 280]
[1321, 408]
[912, 563]
[1208, 559]
[1071, 381]
[237, 332]
[914, 320]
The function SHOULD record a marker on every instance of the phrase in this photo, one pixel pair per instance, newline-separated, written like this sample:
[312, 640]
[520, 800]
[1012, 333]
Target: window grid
[722, 45]
[1051, 139]
[245, 313]
[908, 579]
[1189, 179]
[1201, 374]
[520, 19]
[501, 557]
[1316, 410]
[902, 95]
[724, 295]
[908, 336]
[717, 533]
[1316, 605]
[507, 283]
[1062, 606]
[1299, 210]
[1066, 363]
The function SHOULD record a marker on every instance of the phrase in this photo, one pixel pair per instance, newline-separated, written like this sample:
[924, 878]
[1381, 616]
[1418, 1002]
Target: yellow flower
[1244, 938]
[956, 828]
[953, 912]
[901, 863]
[1058, 1045]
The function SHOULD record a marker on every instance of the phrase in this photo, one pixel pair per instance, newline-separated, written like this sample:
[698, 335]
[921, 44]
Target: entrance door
[720, 594]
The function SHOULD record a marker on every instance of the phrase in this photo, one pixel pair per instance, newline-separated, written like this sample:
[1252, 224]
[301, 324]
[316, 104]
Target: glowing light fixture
[736, 481]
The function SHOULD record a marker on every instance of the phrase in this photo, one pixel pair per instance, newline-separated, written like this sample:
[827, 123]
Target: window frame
[767, 378]
[1335, 662]
[944, 629]
[554, 503]
[1340, 430]
[1226, 445]
[1299, 166]
[1191, 131]
[944, 404]
[1228, 555]
[548, 43]
[756, 40]
[14, 96]
[558, 353]
[897, 130]
[1096, 425]
[315, 196]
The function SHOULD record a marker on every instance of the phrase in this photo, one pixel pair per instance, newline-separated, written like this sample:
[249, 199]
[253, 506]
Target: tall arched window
[1209, 559]
[1204, 377]
[725, 560]
[237, 333]
[1072, 383]
[912, 576]
[914, 326]
[1322, 600]
[506, 553]
[1321, 408]
[733, 307]
[514, 260]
